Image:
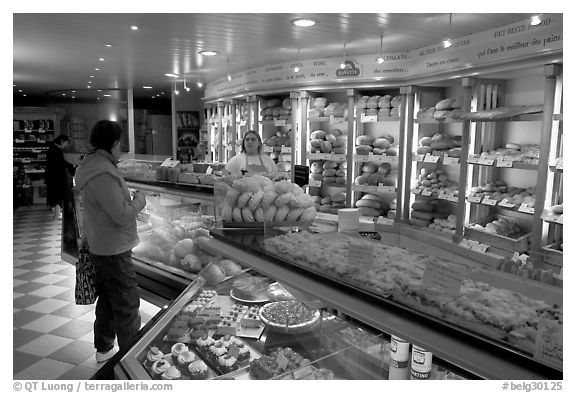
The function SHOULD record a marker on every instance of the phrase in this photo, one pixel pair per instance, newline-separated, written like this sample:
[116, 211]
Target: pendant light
[343, 63]
[380, 59]
[228, 76]
[297, 66]
[176, 91]
[448, 41]
[185, 86]
[198, 81]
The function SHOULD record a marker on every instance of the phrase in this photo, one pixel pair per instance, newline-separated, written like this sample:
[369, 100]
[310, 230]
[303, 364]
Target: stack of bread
[498, 190]
[258, 199]
[385, 107]
[392, 205]
[444, 109]
[366, 144]
[435, 181]
[424, 213]
[329, 172]
[276, 109]
[372, 205]
[320, 108]
[374, 175]
[440, 144]
[330, 203]
[502, 226]
[333, 141]
[447, 225]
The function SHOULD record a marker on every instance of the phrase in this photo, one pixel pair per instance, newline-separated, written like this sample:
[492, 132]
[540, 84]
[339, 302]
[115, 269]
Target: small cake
[227, 363]
[226, 326]
[160, 366]
[186, 357]
[251, 318]
[171, 373]
[196, 334]
[198, 369]
[191, 309]
[212, 322]
[177, 334]
[249, 288]
[154, 354]
[243, 350]
[196, 322]
[178, 348]
[225, 341]
[217, 350]
[205, 342]
[179, 324]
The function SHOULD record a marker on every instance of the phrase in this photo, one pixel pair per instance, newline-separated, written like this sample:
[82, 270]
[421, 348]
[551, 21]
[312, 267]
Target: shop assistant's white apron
[251, 170]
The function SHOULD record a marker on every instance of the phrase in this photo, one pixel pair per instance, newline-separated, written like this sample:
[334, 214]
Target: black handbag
[85, 291]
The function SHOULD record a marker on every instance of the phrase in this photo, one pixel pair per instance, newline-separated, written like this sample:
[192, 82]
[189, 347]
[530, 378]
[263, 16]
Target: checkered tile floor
[52, 336]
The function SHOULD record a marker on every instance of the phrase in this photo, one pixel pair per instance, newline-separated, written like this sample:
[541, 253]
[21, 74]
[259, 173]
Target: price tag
[503, 163]
[336, 120]
[170, 163]
[360, 158]
[489, 202]
[474, 199]
[282, 361]
[444, 277]
[18, 141]
[361, 254]
[242, 123]
[314, 183]
[40, 141]
[368, 119]
[383, 220]
[417, 157]
[485, 161]
[426, 192]
[286, 149]
[28, 131]
[209, 170]
[415, 191]
[358, 187]
[36, 151]
[452, 198]
[268, 149]
[450, 160]
[26, 161]
[480, 247]
[279, 123]
[549, 346]
[442, 195]
[560, 165]
[524, 208]
[383, 188]
[473, 160]
[506, 203]
[430, 158]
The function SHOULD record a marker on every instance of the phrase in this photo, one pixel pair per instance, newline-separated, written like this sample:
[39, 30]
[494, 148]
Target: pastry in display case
[208, 334]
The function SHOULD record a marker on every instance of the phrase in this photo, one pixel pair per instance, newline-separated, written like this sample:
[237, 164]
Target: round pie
[289, 315]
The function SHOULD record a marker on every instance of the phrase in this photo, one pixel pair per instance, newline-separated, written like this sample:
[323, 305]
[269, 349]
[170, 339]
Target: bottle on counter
[421, 365]
[399, 356]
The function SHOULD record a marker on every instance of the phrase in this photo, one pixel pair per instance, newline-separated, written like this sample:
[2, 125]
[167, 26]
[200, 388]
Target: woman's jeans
[118, 305]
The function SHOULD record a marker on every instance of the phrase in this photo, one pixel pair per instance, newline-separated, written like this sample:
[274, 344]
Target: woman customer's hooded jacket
[109, 213]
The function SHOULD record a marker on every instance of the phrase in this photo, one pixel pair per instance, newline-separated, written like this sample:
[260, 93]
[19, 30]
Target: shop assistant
[251, 161]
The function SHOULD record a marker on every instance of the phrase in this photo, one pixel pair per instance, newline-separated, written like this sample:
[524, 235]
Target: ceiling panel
[59, 51]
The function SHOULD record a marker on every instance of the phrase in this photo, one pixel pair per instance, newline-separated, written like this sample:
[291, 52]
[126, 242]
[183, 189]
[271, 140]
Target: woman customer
[109, 225]
[251, 161]
[58, 174]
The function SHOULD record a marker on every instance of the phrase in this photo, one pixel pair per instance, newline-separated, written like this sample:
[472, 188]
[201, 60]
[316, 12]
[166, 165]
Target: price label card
[383, 188]
[442, 195]
[268, 149]
[36, 151]
[282, 361]
[286, 149]
[361, 254]
[360, 158]
[384, 220]
[368, 119]
[314, 183]
[489, 202]
[452, 198]
[560, 165]
[503, 163]
[18, 141]
[549, 346]
[485, 161]
[358, 187]
[480, 247]
[430, 158]
[279, 123]
[524, 208]
[444, 277]
[474, 199]
[209, 170]
[417, 157]
[336, 120]
[506, 203]
[242, 123]
[473, 160]
[170, 163]
[26, 160]
[426, 192]
[450, 160]
[415, 191]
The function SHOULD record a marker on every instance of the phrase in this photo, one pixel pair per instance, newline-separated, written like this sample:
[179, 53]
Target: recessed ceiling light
[146, 87]
[23, 95]
[134, 27]
[91, 76]
[303, 22]
[19, 91]
[107, 95]
[89, 82]
[63, 94]
[73, 91]
[101, 59]
[88, 87]
[535, 20]
[172, 75]
[108, 45]
[73, 96]
[13, 85]
[208, 53]
[99, 90]
[96, 69]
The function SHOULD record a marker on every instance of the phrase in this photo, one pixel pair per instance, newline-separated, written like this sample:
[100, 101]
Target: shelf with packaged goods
[445, 340]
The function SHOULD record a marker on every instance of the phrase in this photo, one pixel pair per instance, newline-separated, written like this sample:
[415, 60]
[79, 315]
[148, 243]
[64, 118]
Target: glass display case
[234, 323]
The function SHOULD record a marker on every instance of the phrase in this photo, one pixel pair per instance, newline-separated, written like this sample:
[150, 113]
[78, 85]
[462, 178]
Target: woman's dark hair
[60, 139]
[252, 132]
[105, 134]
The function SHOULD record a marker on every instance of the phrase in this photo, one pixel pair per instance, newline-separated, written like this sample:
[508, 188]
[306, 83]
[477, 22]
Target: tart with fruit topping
[289, 315]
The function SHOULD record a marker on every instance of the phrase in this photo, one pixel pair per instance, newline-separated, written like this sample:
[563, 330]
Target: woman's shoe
[104, 356]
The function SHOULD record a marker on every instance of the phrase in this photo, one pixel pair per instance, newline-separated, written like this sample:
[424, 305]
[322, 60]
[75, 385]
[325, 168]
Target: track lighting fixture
[297, 65]
[186, 86]
[343, 62]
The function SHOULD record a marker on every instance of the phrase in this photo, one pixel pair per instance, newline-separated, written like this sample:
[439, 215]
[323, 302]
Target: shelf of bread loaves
[275, 109]
[378, 108]
[498, 194]
[554, 214]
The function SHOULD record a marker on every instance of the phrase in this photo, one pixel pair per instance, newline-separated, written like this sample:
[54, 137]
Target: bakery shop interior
[297, 196]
